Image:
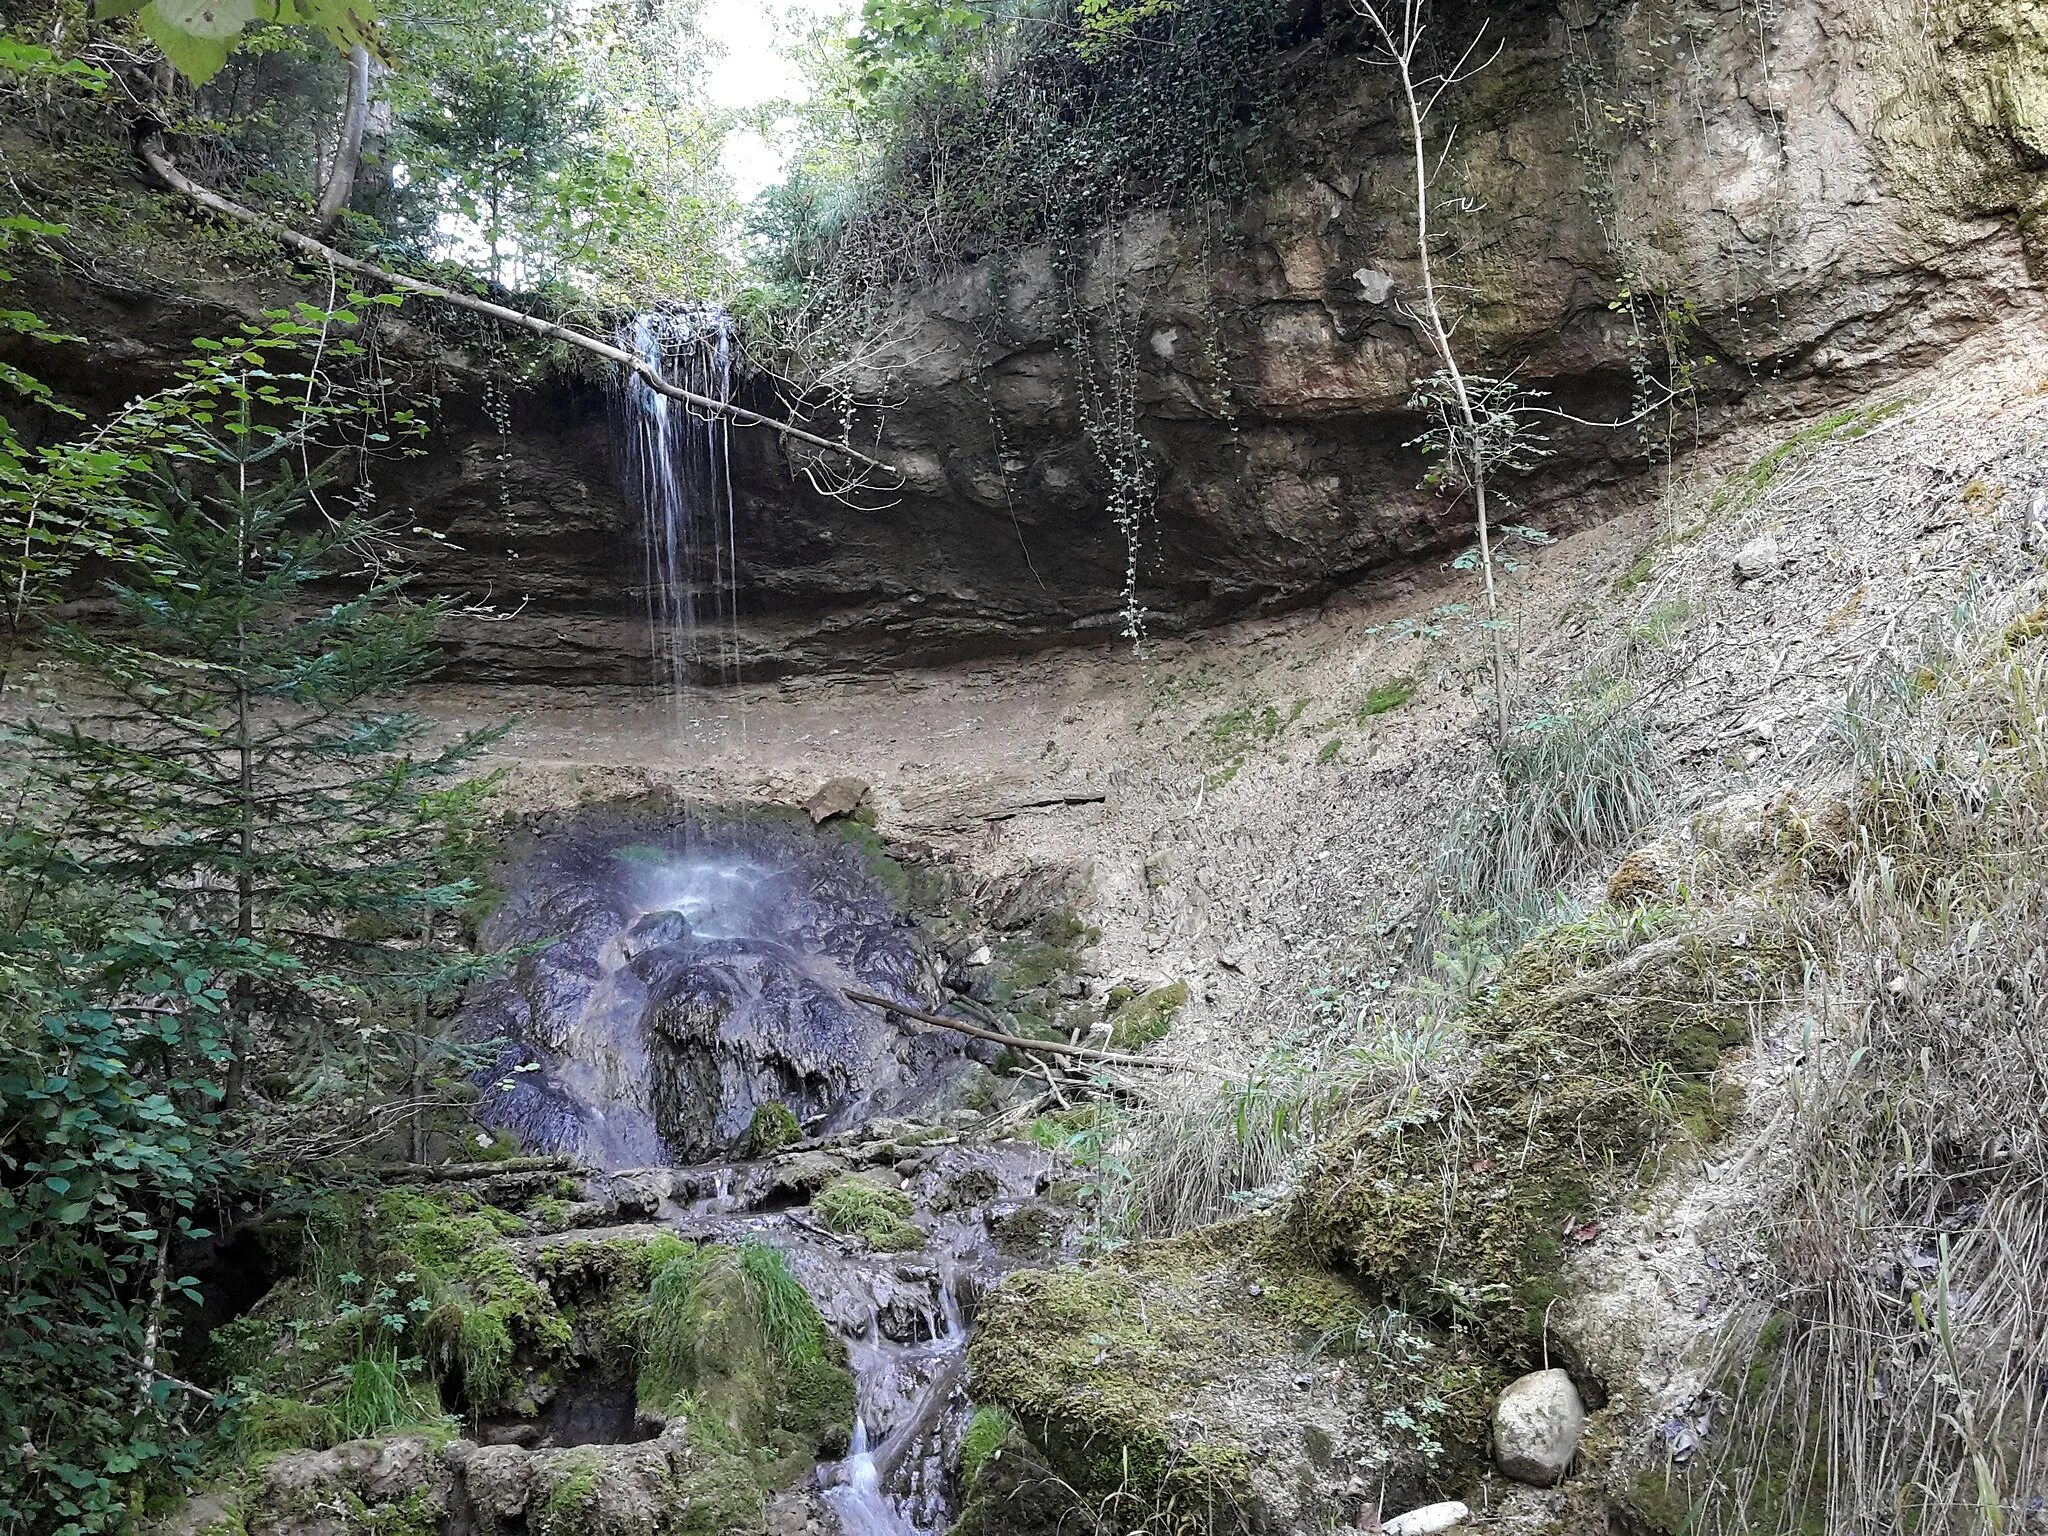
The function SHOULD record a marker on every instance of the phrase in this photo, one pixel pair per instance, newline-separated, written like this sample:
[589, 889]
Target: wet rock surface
[691, 975]
[575, 1454]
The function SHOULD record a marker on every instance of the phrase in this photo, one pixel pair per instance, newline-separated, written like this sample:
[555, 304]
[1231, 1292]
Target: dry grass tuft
[1899, 1384]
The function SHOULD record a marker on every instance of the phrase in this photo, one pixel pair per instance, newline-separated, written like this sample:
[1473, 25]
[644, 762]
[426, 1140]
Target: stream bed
[692, 995]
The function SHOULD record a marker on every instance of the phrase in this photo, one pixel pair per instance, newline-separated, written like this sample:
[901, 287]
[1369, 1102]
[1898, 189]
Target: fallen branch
[444, 1173]
[1017, 1042]
[157, 158]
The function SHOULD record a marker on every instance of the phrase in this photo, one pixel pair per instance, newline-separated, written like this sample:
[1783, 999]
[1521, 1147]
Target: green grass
[1662, 624]
[792, 1319]
[860, 1207]
[1330, 750]
[1573, 784]
[669, 1333]
[986, 1432]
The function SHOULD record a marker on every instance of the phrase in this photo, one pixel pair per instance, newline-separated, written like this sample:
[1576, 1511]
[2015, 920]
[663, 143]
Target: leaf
[195, 57]
[215, 20]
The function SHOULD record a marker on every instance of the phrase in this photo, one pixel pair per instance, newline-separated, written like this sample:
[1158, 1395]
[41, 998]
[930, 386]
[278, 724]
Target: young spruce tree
[225, 889]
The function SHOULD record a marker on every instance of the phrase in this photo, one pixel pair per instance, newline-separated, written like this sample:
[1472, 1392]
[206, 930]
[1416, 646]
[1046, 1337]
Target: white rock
[1428, 1520]
[981, 956]
[1537, 1426]
[1374, 284]
[1759, 558]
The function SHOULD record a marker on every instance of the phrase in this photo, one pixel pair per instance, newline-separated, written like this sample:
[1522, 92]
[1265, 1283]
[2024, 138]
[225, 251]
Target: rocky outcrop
[1221, 1381]
[409, 1486]
[1817, 206]
[1785, 205]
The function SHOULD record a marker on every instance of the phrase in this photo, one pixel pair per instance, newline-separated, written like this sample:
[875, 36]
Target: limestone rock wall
[1820, 196]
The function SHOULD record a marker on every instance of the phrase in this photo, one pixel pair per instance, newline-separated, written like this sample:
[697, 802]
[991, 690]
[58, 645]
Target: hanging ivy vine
[976, 137]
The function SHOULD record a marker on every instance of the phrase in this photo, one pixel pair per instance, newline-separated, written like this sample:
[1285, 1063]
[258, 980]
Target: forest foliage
[239, 881]
[236, 879]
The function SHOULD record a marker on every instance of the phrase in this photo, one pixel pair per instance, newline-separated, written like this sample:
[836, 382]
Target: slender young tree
[1476, 428]
[239, 758]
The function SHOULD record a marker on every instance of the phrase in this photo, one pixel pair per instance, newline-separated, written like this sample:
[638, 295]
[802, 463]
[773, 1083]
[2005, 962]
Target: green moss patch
[773, 1127]
[1599, 1045]
[859, 1207]
[1145, 1020]
[396, 1308]
[732, 1342]
[1117, 1368]
[1384, 698]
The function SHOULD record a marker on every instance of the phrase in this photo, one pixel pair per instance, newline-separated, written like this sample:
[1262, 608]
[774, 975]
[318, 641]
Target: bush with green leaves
[219, 869]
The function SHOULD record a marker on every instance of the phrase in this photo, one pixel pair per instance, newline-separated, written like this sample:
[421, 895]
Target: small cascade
[685, 980]
[912, 1407]
[856, 1497]
[676, 464]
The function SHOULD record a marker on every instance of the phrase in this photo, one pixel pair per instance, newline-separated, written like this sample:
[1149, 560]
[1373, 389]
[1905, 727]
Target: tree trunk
[348, 154]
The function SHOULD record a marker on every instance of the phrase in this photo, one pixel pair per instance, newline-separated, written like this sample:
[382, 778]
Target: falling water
[676, 463]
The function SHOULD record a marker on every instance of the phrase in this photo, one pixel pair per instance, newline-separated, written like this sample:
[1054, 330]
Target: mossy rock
[859, 1207]
[732, 1344]
[488, 1328]
[1012, 1490]
[773, 1127]
[1143, 1020]
[1167, 1379]
[1600, 1044]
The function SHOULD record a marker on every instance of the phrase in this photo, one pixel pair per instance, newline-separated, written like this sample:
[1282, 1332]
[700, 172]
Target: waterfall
[676, 463]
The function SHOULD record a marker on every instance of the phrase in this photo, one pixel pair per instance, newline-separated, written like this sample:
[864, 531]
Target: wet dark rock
[965, 1190]
[803, 1174]
[1029, 1231]
[695, 979]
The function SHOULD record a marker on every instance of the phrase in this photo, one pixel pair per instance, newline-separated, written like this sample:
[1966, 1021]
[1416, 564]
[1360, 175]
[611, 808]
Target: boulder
[836, 797]
[1537, 1426]
[1207, 1379]
[1759, 558]
[313, 1493]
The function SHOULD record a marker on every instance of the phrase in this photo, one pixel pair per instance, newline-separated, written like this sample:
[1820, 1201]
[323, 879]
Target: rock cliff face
[1819, 199]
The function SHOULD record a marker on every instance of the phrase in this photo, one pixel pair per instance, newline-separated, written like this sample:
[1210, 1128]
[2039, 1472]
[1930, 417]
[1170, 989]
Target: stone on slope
[836, 797]
[1537, 1426]
[1759, 558]
[1430, 1520]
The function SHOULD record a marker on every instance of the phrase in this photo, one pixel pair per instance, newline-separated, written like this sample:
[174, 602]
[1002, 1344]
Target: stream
[690, 970]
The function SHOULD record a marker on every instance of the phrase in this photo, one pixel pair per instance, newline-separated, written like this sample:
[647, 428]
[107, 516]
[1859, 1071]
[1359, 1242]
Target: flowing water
[676, 463]
[696, 975]
[694, 971]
